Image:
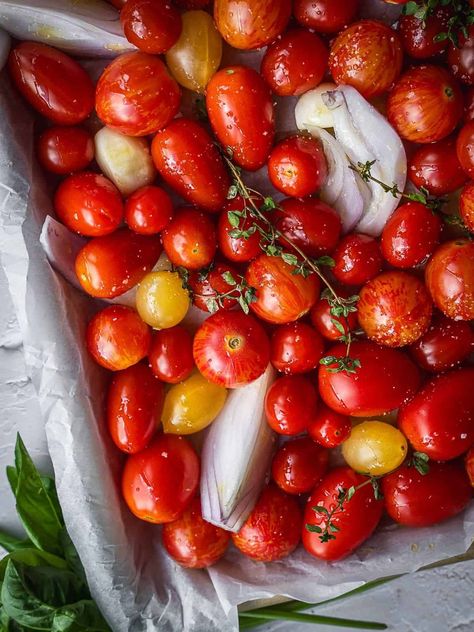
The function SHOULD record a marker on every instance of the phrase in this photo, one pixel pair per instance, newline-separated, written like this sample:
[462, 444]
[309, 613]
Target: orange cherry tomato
[465, 148]
[290, 403]
[470, 465]
[466, 206]
[189, 239]
[148, 210]
[153, 26]
[329, 428]
[63, 150]
[299, 465]
[171, 354]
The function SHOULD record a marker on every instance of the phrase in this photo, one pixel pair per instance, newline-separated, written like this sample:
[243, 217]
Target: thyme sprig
[461, 19]
[241, 292]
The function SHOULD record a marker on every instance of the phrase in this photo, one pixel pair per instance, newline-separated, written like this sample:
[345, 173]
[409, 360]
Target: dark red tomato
[325, 16]
[237, 249]
[53, 83]
[354, 525]
[192, 4]
[466, 206]
[290, 404]
[357, 259]
[273, 529]
[299, 465]
[159, 483]
[470, 465]
[469, 105]
[323, 320]
[240, 109]
[153, 26]
[136, 95]
[188, 160]
[465, 148]
[296, 348]
[148, 210]
[118, 4]
[297, 166]
[425, 105]
[386, 378]
[295, 63]
[117, 337]
[134, 404]
[417, 500]
[63, 150]
[461, 58]
[450, 279]
[282, 297]
[437, 168]
[109, 266]
[329, 428]
[193, 542]
[206, 288]
[171, 354]
[310, 224]
[368, 55]
[231, 349]
[419, 35]
[89, 204]
[189, 239]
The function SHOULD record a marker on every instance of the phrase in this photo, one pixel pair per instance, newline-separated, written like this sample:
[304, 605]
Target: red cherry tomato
[470, 465]
[136, 95]
[171, 354]
[192, 4]
[354, 525]
[237, 249]
[296, 348]
[117, 337]
[461, 58]
[188, 160]
[329, 428]
[357, 259]
[63, 150]
[437, 168]
[323, 320]
[148, 210]
[419, 36]
[241, 114]
[385, 379]
[466, 206]
[153, 26]
[273, 529]
[325, 16]
[469, 105]
[299, 465]
[189, 239]
[205, 289]
[193, 542]
[290, 404]
[159, 483]
[465, 148]
[53, 83]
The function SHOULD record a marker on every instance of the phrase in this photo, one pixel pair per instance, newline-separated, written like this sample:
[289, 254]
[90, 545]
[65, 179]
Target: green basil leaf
[81, 616]
[12, 477]
[10, 543]
[71, 556]
[31, 557]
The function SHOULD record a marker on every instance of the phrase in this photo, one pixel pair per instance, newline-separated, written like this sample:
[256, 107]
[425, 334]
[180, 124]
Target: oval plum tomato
[425, 105]
[297, 166]
[189, 239]
[63, 150]
[295, 63]
[273, 529]
[89, 204]
[240, 109]
[354, 525]
[394, 308]
[357, 259]
[419, 36]
[465, 148]
[208, 289]
[325, 16]
[109, 266]
[470, 465]
[231, 349]
[299, 465]
[450, 279]
[193, 542]
[159, 483]
[153, 26]
[52, 82]
[117, 338]
[237, 249]
[296, 348]
[134, 404]
[329, 428]
[466, 206]
[461, 58]
[368, 55]
[437, 168]
[162, 301]
[282, 297]
[324, 321]
[136, 95]
[385, 379]
[290, 404]
[188, 160]
[420, 500]
[171, 354]
[148, 210]
[439, 420]
[251, 24]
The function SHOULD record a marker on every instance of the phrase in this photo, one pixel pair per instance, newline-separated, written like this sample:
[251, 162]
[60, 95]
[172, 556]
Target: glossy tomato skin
[385, 380]
[64, 150]
[160, 482]
[193, 542]
[153, 26]
[325, 16]
[355, 524]
[465, 148]
[323, 320]
[237, 249]
[437, 168]
[466, 206]
[136, 95]
[171, 354]
[416, 500]
[290, 404]
[148, 210]
[207, 287]
[38, 70]
[299, 465]
[188, 160]
[357, 259]
[296, 348]
[419, 36]
[470, 465]
[273, 529]
[297, 166]
[109, 266]
[240, 109]
[189, 239]
[469, 105]
[461, 58]
[329, 428]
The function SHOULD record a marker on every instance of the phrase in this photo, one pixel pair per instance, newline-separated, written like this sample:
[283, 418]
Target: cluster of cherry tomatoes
[408, 332]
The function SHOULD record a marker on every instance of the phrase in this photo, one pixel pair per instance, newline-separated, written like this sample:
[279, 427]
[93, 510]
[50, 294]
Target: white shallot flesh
[311, 109]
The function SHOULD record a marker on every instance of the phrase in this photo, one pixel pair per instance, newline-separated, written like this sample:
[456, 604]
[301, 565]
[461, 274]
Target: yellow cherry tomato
[162, 302]
[192, 405]
[374, 448]
[197, 54]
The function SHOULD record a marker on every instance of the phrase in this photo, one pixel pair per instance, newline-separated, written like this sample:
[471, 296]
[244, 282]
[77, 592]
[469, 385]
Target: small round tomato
[357, 259]
[419, 36]
[63, 150]
[136, 96]
[193, 542]
[162, 301]
[368, 55]
[297, 166]
[470, 465]
[207, 288]
[153, 26]
[148, 210]
[325, 16]
[159, 482]
[192, 4]
[290, 404]
[189, 239]
[425, 105]
[324, 321]
[237, 249]
[465, 148]
[273, 529]
[282, 297]
[329, 428]
[231, 349]
[466, 206]
[296, 348]
[299, 465]
[461, 57]
[171, 354]
[469, 105]
[117, 338]
[436, 168]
